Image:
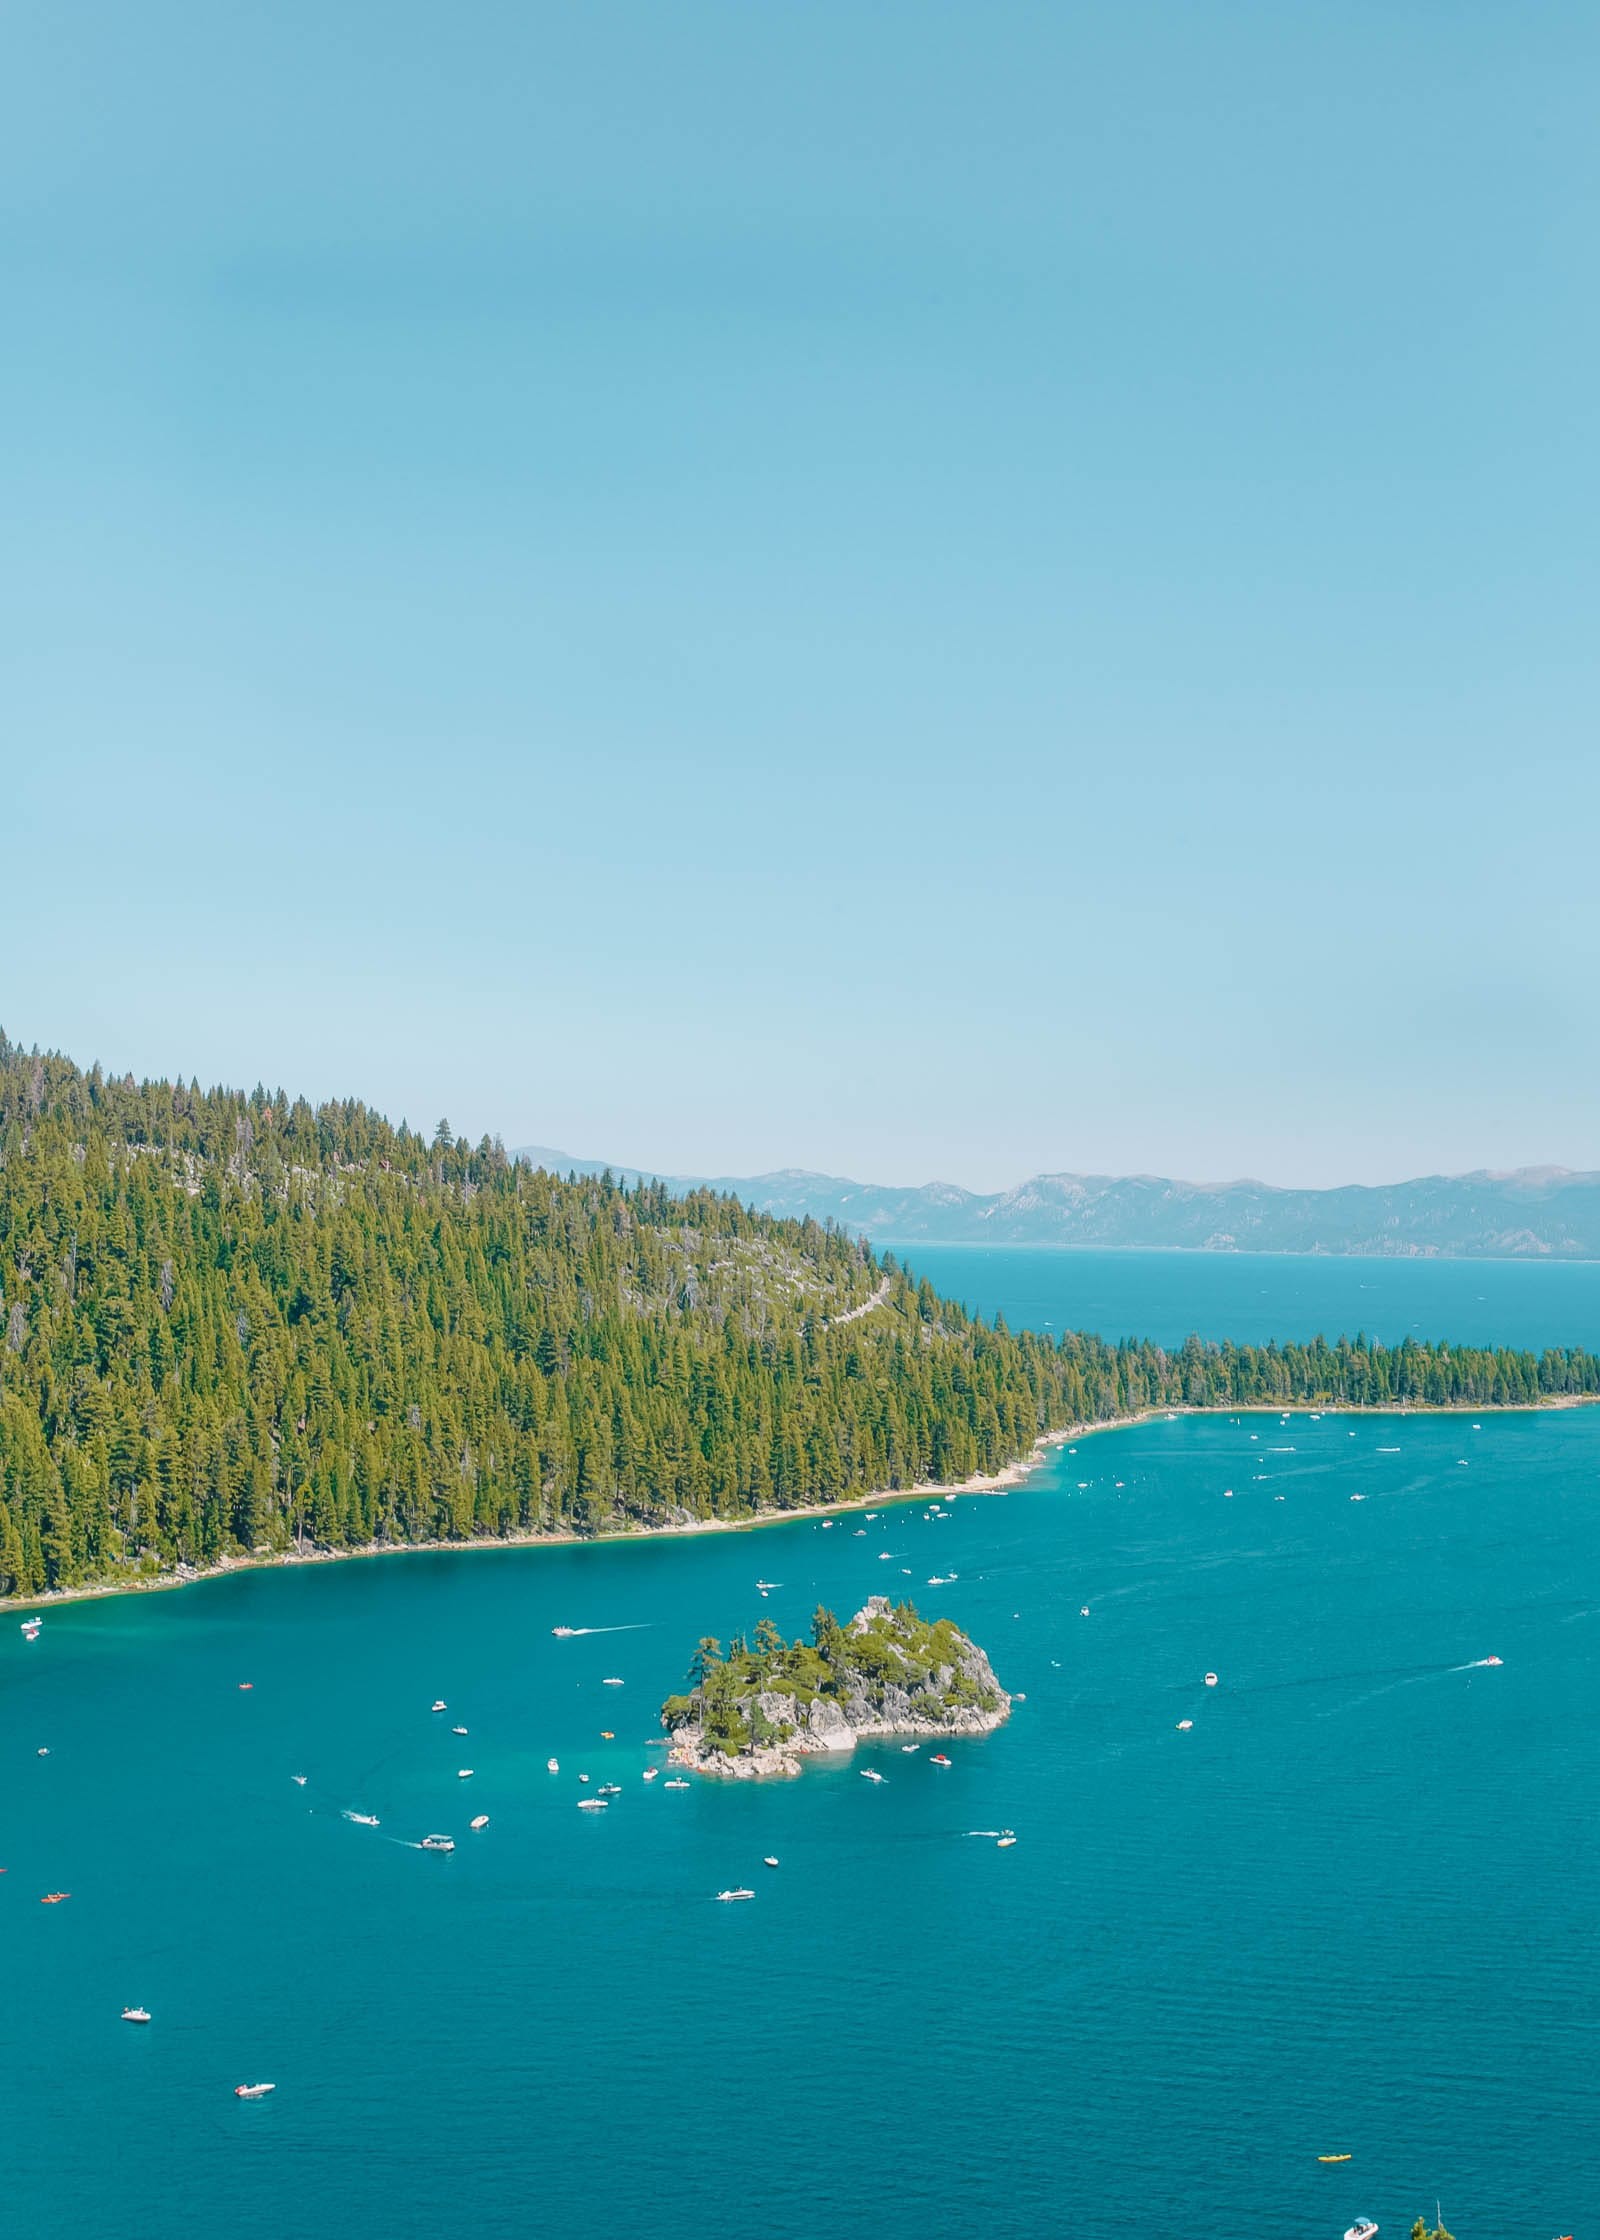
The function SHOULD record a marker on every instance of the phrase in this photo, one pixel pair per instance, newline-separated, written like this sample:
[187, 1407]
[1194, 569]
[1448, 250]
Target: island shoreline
[998, 1482]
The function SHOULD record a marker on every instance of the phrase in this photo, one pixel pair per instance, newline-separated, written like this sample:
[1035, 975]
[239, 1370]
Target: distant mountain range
[1534, 1213]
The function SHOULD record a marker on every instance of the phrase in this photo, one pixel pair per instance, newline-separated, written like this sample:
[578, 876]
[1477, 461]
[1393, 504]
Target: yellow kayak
[1333, 2158]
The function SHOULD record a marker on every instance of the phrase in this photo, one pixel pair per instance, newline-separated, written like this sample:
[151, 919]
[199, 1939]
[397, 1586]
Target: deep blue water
[1254, 1297]
[1355, 1908]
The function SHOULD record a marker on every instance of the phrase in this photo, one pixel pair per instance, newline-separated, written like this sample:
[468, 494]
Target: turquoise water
[1353, 1909]
[1257, 1296]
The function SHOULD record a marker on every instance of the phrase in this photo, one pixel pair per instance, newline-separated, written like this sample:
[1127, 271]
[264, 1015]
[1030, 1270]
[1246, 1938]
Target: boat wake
[572, 1633]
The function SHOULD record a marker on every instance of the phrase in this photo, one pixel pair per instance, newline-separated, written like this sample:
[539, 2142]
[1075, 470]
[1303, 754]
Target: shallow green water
[1353, 1909]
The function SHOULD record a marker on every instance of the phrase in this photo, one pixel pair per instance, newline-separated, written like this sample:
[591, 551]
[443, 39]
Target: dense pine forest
[231, 1322]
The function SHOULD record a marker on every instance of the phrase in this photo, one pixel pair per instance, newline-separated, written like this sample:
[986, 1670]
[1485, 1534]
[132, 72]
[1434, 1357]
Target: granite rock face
[868, 1707]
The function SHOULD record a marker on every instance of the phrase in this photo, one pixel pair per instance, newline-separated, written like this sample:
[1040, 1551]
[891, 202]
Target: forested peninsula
[235, 1324]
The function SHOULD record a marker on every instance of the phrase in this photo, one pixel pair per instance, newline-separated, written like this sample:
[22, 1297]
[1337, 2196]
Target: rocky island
[762, 1707]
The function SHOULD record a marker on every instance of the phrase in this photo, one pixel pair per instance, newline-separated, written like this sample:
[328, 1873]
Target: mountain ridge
[1528, 1213]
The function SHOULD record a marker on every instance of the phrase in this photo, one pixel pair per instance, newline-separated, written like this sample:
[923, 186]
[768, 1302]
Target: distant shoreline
[1000, 1481]
[902, 1247]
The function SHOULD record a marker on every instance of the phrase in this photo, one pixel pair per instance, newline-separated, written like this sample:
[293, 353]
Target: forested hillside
[232, 1322]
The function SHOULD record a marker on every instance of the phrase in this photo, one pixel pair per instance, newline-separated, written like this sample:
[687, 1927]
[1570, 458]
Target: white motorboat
[563, 1633]
[253, 2091]
[651, 1773]
[361, 1819]
[594, 1804]
[438, 1843]
[136, 2014]
[870, 1773]
[458, 1730]
[463, 1773]
[441, 1705]
[611, 1683]
[482, 1821]
[1211, 1679]
[1363, 2229]
[731, 1897]
[769, 1862]
[552, 1765]
[677, 1784]
[298, 1779]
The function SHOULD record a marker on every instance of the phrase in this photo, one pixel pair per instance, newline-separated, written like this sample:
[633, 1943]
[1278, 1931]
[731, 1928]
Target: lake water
[1352, 1910]
[1254, 1296]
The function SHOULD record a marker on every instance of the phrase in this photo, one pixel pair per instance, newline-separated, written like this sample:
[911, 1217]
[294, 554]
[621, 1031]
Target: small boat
[298, 1779]
[869, 1773]
[769, 1862]
[594, 1804]
[42, 1753]
[245, 1686]
[651, 1773]
[677, 1783]
[909, 1749]
[583, 1777]
[253, 2091]
[552, 1765]
[1333, 2158]
[482, 1821]
[458, 1730]
[938, 1759]
[1211, 1679]
[1184, 1725]
[441, 1705]
[731, 1897]
[136, 2014]
[438, 1843]
[463, 1773]
[362, 1819]
[1494, 1660]
[608, 1734]
[1364, 2228]
[609, 1789]
[563, 1633]
[611, 1683]
[1084, 1612]
[55, 1897]
[1004, 1843]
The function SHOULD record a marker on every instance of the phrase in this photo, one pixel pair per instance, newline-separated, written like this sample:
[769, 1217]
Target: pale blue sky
[915, 589]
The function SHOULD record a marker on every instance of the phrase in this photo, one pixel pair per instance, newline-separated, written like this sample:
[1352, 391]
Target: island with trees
[763, 1706]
